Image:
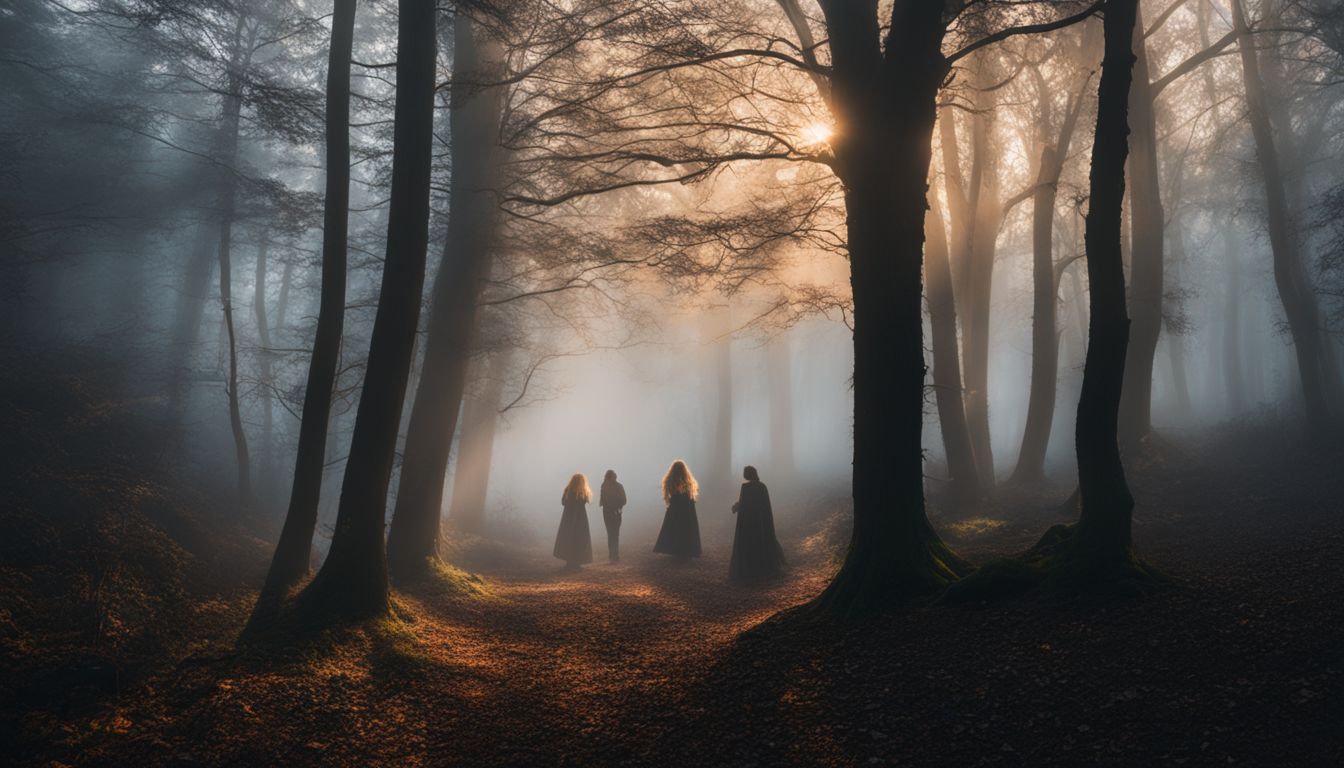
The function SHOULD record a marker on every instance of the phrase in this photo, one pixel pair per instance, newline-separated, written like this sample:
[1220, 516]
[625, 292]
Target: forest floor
[647, 663]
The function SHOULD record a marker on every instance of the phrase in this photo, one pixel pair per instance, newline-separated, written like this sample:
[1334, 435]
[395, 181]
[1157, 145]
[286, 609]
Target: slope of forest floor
[120, 604]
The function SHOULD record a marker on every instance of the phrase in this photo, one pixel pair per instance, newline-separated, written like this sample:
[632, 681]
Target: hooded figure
[680, 535]
[757, 555]
[574, 543]
[612, 500]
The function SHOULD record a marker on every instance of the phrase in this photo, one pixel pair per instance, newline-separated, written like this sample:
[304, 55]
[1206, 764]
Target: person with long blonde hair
[574, 542]
[680, 534]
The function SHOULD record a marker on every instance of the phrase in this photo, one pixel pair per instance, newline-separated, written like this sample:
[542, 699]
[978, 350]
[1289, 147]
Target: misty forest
[672, 382]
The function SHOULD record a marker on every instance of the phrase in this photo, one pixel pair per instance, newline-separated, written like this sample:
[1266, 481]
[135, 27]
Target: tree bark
[979, 272]
[352, 583]
[964, 479]
[228, 199]
[188, 315]
[475, 451]
[1102, 539]
[413, 538]
[1147, 222]
[885, 102]
[293, 551]
[264, 361]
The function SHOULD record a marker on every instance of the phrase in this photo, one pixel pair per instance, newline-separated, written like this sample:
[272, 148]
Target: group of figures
[757, 555]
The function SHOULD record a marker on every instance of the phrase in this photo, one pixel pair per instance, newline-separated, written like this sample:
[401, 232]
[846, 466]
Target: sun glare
[818, 133]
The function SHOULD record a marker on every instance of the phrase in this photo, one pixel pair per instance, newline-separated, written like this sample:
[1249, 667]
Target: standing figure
[612, 500]
[756, 552]
[573, 543]
[680, 535]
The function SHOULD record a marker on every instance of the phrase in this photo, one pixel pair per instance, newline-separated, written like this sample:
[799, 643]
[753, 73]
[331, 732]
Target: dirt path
[551, 668]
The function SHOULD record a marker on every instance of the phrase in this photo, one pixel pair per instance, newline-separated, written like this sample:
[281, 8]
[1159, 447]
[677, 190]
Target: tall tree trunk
[290, 562]
[779, 373]
[228, 199]
[475, 450]
[1147, 222]
[1234, 373]
[979, 273]
[947, 394]
[264, 360]
[282, 300]
[717, 339]
[886, 104]
[1290, 278]
[1176, 337]
[1102, 539]
[188, 314]
[353, 581]
[413, 538]
[1044, 286]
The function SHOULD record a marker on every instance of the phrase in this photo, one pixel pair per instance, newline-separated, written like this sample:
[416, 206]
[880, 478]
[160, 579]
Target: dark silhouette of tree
[352, 582]
[290, 562]
[1097, 552]
[413, 538]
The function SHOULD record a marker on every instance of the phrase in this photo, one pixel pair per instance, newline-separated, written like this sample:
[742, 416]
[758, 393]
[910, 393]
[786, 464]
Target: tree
[1096, 553]
[413, 538]
[290, 562]
[352, 582]
[1045, 281]
[1290, 277]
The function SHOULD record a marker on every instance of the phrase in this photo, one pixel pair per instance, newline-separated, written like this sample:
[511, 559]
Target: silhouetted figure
[680, 535]
[612, 499]
[756, 552]
[573, 543]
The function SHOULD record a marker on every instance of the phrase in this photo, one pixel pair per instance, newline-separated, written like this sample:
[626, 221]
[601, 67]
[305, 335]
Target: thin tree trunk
[716, 337]
[413, 538]
[264, 360]
[947, 394]
[233, 103]
[779, 373]
[290, 562]
[979, 273]
[475, 451]
[1147, 222]
[1234, 373]
[353, 581]
[282, 300]
[188, 315]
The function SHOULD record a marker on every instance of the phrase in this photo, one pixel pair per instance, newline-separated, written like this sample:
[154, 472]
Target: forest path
[557, 657]
[550, 668]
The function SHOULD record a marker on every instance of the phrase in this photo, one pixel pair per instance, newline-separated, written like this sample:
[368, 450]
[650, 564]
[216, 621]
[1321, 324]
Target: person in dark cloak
[680, 535]
[574, 543]
[612, 500]
[757, 555]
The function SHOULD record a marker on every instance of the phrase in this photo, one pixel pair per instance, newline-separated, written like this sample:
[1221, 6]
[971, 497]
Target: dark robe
[573, 543]
[612, 500]
[756, 551]
[680, 534]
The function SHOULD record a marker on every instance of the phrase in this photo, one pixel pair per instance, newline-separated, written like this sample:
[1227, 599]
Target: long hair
[577, 490]
[679, 480]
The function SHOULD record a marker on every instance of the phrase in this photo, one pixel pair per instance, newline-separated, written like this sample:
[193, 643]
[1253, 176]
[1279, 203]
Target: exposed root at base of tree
[1061, 564]
[874, 580]
[436, 576]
